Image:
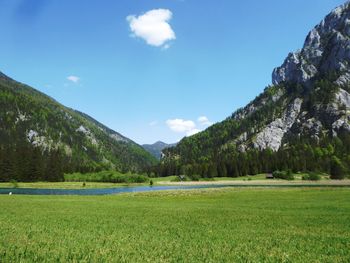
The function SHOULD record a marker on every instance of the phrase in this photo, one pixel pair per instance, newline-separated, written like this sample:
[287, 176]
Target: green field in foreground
[227, 225]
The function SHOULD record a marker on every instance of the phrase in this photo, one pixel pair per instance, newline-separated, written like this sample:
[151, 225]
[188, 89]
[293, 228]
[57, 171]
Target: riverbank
[63, 185]
[273, 182]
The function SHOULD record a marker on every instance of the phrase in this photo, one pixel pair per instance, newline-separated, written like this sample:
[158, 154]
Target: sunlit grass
[227, 225]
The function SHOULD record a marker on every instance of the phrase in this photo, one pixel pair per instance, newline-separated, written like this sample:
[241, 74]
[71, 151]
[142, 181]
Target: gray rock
[342, 124]
[272, 135]
[326, 49]
[343, 98]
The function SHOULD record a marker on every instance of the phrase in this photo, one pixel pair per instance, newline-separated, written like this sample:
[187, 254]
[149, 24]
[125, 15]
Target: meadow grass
[226, 225]
[78, 185]
[62, 185]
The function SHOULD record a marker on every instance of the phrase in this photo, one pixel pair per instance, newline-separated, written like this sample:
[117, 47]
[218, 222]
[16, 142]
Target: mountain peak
[156, 149]
[325, 51]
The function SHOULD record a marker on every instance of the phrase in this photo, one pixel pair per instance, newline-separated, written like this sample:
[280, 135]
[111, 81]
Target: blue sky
[153, 75]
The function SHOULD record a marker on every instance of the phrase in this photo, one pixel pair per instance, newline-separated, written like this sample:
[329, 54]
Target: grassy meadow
[226, 225]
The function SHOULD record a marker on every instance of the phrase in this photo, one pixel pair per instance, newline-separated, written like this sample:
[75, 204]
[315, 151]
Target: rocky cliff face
[326, 50]
[309, 99]
[326, 53]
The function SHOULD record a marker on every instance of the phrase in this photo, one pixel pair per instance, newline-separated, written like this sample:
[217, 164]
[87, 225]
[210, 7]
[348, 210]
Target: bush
[206, 179]
[106, 177]
[180, 178]
[185, 178]
[337, 169]
[14, 183]
[312, 177]
[283, 175]
[195, 177]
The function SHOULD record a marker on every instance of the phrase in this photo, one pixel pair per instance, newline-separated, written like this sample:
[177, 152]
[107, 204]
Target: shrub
[195, 177]
[337, 169]
[107, 177]
[14, 183]
[180, 178]
[176, 179]
[312, 177]
[283, 175]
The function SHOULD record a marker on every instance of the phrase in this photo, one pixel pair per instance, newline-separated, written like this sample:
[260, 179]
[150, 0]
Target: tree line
[25, 163]
[331, 156]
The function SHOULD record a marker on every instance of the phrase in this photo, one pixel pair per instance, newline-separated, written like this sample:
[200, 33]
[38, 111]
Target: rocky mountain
[30, 120]
[157, 148]
[307, 106]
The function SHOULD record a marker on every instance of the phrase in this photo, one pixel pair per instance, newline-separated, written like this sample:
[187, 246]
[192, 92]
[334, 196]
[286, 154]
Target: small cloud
[153, 123]
[204, 121]
[73, 79]
[188, 127]
[153, 27]
[181, 126]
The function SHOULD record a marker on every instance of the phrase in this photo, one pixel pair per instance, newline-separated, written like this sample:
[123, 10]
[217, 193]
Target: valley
[268, 183]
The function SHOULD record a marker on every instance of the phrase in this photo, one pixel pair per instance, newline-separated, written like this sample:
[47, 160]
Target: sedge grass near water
[216, 225]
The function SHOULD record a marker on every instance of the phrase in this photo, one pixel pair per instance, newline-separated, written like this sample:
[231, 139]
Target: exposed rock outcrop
[326, 50]
[271, 137]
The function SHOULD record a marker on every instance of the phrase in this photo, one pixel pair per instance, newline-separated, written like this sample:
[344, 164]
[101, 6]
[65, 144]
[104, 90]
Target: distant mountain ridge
[156, 149]
[29, 117]
[305, 111]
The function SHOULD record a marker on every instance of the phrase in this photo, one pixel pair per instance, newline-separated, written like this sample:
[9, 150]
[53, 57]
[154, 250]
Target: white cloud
[73, 79]
[188, 127]
[204, 121]
[153, 27]
[180, 125]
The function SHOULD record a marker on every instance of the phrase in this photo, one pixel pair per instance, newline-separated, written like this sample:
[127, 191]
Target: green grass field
[227, 225]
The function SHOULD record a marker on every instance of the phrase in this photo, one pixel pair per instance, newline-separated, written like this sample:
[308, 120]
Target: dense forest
[331, 156]
[25, 163]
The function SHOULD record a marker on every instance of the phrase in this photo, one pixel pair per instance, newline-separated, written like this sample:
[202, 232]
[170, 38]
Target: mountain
[301, 122]
[35, 126]
[157, 148]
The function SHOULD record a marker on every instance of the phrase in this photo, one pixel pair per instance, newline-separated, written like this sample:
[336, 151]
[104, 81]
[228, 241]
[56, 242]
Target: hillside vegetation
[41, 139]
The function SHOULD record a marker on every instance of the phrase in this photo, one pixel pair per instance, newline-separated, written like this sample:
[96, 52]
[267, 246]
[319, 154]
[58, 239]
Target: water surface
[135, 189]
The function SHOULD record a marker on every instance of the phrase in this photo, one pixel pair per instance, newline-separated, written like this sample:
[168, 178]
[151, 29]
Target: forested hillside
[40, 139]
